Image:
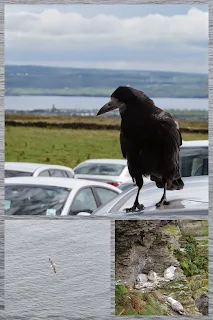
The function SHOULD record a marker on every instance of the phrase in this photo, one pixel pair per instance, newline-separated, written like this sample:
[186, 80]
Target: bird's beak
[109, 106]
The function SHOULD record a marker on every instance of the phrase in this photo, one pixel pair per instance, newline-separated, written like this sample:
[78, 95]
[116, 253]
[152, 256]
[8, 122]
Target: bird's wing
[169, 129]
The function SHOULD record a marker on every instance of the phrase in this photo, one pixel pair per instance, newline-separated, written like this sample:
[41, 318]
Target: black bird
[150, 141]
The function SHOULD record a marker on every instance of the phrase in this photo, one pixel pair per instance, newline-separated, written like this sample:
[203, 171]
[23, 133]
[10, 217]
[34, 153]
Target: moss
[198, 283]
[193, 260]
[171, 228]
[205, 227]
[153, 307]
[134, 302]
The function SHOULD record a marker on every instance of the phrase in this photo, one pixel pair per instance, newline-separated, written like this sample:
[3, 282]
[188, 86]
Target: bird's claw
[138, 206]
[163, 202]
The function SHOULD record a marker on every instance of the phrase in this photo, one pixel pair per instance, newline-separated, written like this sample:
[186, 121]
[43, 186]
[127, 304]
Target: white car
[192, 199]
[194, 158]
[193, 162]
[25, 169]
[55, 196]
[112, 171]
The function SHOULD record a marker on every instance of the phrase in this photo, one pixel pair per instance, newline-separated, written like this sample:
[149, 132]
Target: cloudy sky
[139, 37]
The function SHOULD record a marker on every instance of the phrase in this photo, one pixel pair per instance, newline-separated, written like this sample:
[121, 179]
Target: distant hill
[39, 80]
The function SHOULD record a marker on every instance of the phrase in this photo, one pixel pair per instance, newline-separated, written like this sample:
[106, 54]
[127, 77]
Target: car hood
[194, 196]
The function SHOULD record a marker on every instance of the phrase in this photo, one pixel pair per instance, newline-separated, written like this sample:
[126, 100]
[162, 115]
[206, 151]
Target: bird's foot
[136, 206]
[163, 202]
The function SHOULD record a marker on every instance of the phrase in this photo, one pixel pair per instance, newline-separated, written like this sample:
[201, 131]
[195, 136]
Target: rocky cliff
[141, 246]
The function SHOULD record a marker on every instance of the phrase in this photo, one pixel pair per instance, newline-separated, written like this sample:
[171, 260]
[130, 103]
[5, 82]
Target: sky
[131, 37]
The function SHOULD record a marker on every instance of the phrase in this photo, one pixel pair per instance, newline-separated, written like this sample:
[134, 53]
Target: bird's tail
[177, 184]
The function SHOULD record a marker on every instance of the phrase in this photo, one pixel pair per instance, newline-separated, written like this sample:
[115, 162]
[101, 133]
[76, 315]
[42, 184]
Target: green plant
[191, 261]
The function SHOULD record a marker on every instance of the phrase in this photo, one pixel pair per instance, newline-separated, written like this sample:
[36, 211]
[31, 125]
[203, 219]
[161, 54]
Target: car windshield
[104, 169]
[14, 173]
[34, 200]
[193, 161]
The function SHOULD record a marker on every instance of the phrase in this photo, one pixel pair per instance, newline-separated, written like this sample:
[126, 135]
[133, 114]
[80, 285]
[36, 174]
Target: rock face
[202, 304]
[194, 228]
[142, 246]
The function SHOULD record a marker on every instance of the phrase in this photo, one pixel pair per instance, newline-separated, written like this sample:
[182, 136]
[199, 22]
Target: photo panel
[57, 269]
[161, 268]
[62, 65]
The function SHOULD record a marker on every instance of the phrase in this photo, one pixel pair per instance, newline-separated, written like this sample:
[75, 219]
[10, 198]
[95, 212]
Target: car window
[13, 173]
[105, 195]
[84, 201]
[106, 169]
[87, 169]
[193, 161]
[68, 174]
[44, 173]
[34, 200]
[57, 173]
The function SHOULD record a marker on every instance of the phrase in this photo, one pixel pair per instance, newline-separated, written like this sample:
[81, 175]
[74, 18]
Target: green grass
[64, 146]
[135, 303]
[59, 146]
[191, 261]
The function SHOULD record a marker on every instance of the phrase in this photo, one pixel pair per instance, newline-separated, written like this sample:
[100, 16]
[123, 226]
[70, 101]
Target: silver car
[112, 171]
[55, 196]
[193, 162]
[192, 199]
[27, 169]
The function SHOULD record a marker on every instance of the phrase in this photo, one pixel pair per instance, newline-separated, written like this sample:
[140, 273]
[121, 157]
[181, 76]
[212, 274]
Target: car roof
[195, 143]
[105, 161]
[57, 182]
[193, 195]
[31, 167]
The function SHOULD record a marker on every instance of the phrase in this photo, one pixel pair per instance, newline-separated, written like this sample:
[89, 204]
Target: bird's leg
[137, 205]
[163, 200]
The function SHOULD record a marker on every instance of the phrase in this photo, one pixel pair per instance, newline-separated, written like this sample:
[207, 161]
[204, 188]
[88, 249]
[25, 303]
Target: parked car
[194, 197]
[193, 161]
[112, 171]
[194, 158]
[25, 169]
[55, 196]
[127, 185]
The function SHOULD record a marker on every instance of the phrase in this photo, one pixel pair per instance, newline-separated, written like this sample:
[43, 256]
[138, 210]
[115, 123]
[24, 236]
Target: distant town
[177, 114]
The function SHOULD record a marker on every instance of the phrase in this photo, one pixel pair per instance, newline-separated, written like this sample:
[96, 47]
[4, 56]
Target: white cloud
[103, 36]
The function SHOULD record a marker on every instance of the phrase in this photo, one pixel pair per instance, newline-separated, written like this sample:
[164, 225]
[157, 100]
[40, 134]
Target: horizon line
[93, 68]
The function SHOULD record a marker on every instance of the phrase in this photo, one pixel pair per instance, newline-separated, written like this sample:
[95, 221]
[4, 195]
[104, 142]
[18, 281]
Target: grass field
[65, 146]
[100, 120]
